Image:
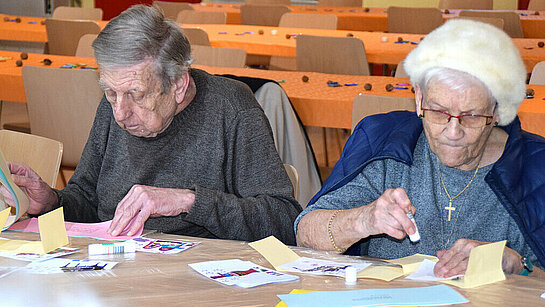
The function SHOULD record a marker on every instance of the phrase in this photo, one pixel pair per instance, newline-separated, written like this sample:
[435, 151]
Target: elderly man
[461, 165]
[172, 148]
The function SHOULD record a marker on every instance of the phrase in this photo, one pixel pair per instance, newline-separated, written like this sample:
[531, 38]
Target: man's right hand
[40, 195]
[388, 215]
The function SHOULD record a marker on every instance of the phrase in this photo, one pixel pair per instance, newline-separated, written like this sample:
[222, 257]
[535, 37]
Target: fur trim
[479, 49]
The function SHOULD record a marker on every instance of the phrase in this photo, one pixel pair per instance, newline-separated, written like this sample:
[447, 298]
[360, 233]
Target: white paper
[425, 272]
[321, 267]
[57, 265]
[59, 252]
[235, 272]
[162, 246]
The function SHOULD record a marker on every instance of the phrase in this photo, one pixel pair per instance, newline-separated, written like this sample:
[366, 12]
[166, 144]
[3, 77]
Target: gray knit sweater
[220, 146]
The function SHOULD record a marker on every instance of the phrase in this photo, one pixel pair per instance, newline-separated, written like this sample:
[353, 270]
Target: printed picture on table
[162, 246]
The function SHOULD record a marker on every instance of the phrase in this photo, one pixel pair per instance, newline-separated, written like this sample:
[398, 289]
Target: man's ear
[181, 86]
[418, 98]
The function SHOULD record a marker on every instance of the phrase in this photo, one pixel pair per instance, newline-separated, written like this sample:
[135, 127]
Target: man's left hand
[142, 202]
[454, 260]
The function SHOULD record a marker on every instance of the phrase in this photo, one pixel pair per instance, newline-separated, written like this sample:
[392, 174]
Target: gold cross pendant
[450, 208]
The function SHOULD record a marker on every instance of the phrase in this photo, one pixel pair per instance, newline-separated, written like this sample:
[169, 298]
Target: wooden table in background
[166, 280]
[370, 19]
[315, 102]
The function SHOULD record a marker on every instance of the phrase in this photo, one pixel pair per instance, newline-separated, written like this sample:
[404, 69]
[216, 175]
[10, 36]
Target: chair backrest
[277, 2]
[294, 178]
[41, 154]
[61, 105]
[400, 71]
[497, 22]
[467, 4]
[85, 48]
[416, 20]
[358, 3]
[333, 55]
[536, 5]
[262, 14]
[196, 36]
[63, 35]
[538, 74]
[365, 105]
[314, 21]
[171, 9]
[219, 57]
[201, 17]
[82, 13]
[511, 20]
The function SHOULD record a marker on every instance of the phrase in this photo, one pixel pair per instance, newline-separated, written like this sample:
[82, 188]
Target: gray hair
[454, 79]
[141, 33]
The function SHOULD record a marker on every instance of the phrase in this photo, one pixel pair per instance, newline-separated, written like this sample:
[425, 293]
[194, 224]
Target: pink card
[92, 230]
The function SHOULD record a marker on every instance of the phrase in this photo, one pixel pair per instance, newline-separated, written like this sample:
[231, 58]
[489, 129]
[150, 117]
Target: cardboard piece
[20, 198]
[52, 235]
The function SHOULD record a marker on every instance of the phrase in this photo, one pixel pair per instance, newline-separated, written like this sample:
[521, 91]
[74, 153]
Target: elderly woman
[172, 148]
[461, 165]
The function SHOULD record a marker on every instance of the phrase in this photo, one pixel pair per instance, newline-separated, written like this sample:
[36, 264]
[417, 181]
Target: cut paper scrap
[411, 263]
[386, 273]
[295, 291]
[20, 198]
[52, 235]
[91, 230]
[421, 296]
[425, 272]
[484, 266]
[285, 260]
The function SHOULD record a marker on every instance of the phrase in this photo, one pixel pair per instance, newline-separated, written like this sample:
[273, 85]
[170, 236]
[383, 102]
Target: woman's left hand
[454, 260]
[142, 202]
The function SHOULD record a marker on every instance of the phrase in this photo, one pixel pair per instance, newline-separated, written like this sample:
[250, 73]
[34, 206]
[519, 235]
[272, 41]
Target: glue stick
[351, 275]
[415, 237]
[112, 248]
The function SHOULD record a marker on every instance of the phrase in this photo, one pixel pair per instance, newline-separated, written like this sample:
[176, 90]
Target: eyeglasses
[466, 120]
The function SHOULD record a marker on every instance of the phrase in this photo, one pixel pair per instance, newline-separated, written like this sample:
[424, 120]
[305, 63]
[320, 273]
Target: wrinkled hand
[388, 215]
[40, 195]
[142, 202]
[454, 260]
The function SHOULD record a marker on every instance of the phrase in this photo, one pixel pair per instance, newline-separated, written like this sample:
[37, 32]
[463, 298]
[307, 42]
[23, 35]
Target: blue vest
[517, 178]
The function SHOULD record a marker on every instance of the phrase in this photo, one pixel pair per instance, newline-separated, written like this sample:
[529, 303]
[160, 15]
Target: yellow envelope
[411, 263]
[484, 266]
[386, 273]
[52, 235]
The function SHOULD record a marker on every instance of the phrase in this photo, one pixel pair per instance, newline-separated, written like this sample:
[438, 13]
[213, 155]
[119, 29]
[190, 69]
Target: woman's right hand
[40, 195]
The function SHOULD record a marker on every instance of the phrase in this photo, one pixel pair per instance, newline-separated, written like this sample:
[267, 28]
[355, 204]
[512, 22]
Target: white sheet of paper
[425, 272]
[59, 252]
[55, 265]
[235, 272]
[321, 267]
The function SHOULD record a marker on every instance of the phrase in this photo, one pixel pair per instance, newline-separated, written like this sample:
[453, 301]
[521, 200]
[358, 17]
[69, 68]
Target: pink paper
[93, 230]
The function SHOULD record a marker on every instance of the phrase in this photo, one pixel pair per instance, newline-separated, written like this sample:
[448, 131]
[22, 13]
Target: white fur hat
[480, 50]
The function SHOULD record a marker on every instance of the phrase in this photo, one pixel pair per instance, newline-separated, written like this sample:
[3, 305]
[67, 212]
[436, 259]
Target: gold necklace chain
[450, 208]
[451, 199]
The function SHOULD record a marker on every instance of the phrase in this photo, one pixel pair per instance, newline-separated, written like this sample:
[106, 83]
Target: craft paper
[162, 246]
[295, 291]
[484, 266]
[52, 235]
[91, 230]
[20, 198]
[421, 296]
[386, 273]
[425, 272]
[4, 215]
[59, 252]
[274, 251]
[57, 265]
[235, 272]
[411, 263]
[321, 267]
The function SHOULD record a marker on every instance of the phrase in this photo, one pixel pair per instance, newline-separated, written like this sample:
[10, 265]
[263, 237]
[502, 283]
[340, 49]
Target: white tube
[112, 248]
[415, 237]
